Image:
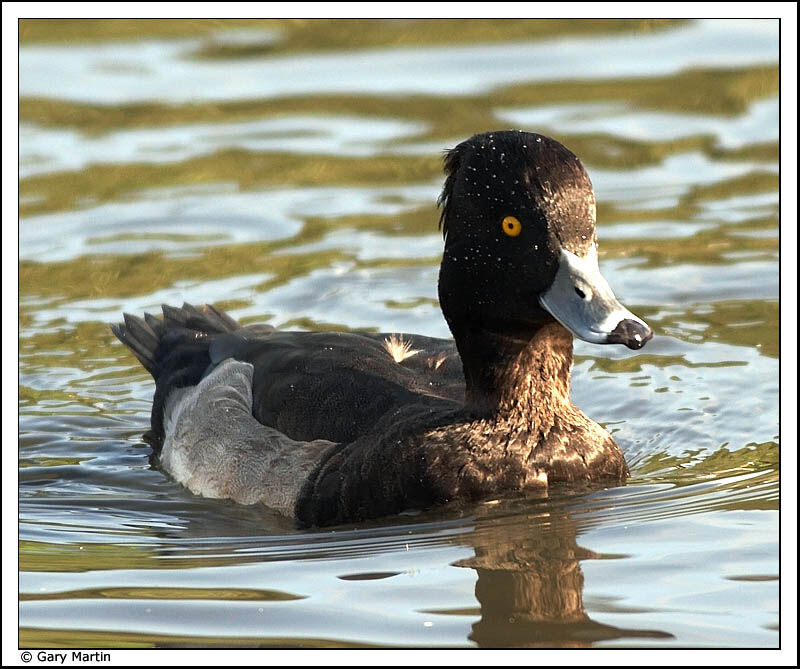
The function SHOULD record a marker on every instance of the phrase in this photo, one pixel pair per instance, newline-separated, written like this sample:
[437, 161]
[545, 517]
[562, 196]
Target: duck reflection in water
[529, 587]
[530, 584]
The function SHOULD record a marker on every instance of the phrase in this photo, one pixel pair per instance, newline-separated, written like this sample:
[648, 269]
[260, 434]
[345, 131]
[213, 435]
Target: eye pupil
[511, 226]
[580, 293]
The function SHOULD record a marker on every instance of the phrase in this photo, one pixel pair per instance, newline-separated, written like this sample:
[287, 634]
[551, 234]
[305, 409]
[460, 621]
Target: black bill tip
[634, 334]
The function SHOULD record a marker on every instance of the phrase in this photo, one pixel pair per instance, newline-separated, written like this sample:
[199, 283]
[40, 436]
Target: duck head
[518, 218]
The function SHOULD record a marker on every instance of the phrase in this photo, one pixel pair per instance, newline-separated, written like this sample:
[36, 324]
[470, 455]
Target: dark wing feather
[309, 385]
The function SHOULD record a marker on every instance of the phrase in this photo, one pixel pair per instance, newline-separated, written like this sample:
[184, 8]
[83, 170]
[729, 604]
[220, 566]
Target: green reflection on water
[36, 556]
[120, 276]
[43, 556]
[750, 323]
[107, 183]
[691, 467]
[722, 91]
[297, 35]
[155, 592]
[60, 638]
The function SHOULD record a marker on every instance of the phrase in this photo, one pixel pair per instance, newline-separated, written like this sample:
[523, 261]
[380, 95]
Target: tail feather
[142, 335]
[223, 320]
[154, 341]
[152, 321]
[174, 316]
[132, 333]
[174, 349]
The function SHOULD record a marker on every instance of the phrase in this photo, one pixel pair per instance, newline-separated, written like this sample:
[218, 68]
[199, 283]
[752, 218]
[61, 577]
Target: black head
[518, 216]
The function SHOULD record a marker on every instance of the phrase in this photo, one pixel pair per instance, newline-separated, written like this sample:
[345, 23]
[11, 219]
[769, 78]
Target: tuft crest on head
[452, 161]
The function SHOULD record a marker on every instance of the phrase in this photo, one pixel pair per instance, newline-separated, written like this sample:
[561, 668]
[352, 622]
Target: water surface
[288, 171]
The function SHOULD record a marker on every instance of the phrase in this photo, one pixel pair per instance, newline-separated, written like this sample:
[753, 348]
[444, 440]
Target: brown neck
[523, 380]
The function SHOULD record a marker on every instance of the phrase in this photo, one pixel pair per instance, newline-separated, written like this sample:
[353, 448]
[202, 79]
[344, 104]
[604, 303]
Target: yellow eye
[511, 226]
